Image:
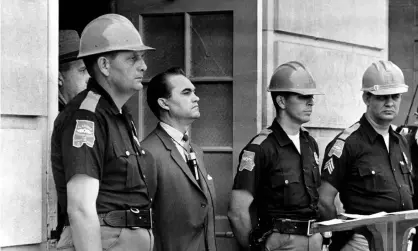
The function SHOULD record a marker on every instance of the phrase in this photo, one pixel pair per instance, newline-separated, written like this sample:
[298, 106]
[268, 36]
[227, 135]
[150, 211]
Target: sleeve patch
[329, 166]
[84, 133]
[247, 161]
[337, 149]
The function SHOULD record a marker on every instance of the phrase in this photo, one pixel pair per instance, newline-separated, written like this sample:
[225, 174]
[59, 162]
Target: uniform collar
[97, 88]
[281, 135]
[371, 132]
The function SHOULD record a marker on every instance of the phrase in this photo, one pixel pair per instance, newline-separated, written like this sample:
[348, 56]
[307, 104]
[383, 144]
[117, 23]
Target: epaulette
[337, 148]
[90, 102]
[261, 136]
[348, 131]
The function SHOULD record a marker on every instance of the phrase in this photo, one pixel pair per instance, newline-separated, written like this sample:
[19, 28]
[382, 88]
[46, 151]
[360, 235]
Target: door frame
[247, 74]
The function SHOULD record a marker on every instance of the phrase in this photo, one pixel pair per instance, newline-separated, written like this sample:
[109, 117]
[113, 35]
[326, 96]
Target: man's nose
[196, 98]
[142, 66]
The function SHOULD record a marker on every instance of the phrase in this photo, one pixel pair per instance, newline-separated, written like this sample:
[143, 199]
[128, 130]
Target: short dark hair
[89, 61]
[159, 87]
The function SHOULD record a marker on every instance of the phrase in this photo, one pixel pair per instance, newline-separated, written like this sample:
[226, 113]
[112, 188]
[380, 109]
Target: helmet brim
[298, 91]
[389, 91]
[140, 47]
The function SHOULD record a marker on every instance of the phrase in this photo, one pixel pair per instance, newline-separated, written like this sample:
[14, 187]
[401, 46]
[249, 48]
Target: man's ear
[103, 64]
[281, 101]
[162, 102]
[366, 98]
[60, 80]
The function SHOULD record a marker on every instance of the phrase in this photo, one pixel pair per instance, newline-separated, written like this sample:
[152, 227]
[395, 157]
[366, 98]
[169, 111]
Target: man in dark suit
[184, 200]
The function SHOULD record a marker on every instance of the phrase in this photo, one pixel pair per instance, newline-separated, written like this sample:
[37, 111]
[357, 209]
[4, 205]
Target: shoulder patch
[83, 133]
[261, 136]
[337, 148]
[247, 161]
[90, 102]
[348, 131]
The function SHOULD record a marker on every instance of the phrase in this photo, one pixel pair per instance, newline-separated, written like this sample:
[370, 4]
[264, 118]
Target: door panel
[214, 128]
[163, 31]
[403, 51]
[216, 43]
[211, 44]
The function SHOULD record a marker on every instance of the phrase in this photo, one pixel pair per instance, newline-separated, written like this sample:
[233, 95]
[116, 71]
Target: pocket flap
[280, 179]
[366, 171]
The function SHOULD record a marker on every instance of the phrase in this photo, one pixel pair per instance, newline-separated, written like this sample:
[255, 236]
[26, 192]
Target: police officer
[73, 75]
[97, 162]
[278, 173]
[369, 163]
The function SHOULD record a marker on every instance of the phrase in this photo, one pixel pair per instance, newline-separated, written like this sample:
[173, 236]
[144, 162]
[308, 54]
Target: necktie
[191, 157]
[186, 143]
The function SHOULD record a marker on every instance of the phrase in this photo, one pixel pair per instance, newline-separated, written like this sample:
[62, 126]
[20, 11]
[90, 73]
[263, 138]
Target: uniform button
[394, 169]
[399, 186]
[143, 176]
[150, 199]
[403, 204]
[203, 205]
[143, 152]
[286, 182]
[373, 172]
[127, 153]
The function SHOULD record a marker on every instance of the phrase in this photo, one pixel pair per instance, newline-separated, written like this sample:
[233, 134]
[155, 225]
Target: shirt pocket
[407, 176]
[372, 178]
[284, 186]
[126, 166]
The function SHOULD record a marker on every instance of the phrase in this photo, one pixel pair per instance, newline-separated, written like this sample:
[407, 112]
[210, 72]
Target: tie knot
[185, 138]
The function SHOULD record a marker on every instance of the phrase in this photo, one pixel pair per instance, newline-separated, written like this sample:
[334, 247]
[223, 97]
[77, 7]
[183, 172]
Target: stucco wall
[337, 40]
[25, 52]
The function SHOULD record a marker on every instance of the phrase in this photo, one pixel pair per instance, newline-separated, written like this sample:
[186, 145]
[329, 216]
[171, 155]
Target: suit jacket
[184, 212]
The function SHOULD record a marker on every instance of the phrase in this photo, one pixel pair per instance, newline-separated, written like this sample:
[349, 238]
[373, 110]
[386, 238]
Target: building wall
[337, 40]
[25, 74]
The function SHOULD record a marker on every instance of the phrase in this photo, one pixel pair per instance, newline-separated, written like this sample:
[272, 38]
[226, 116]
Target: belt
[132, 218]
[289, 226]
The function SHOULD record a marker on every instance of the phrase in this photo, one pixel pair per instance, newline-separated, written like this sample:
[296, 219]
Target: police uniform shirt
[369, 178]
[283, 182]
[92, 137]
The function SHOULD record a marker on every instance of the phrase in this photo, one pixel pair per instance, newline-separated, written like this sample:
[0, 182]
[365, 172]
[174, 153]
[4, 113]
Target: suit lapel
[169, 144]
[206, 185]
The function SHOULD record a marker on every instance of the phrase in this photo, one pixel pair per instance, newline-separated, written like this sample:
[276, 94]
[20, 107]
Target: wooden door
[403, 51]
[216, 43]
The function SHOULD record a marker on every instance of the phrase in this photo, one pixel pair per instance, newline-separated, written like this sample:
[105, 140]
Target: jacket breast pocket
[372, 178]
